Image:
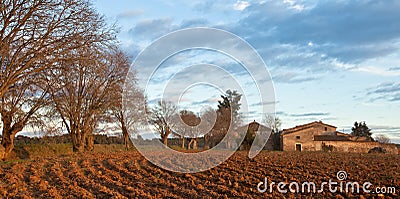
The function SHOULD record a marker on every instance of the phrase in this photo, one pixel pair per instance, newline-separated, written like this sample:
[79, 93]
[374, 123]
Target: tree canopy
[52, 44]
[360, 129]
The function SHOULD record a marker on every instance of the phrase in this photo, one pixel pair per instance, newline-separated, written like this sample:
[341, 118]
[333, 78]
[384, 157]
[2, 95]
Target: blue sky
[335, 61]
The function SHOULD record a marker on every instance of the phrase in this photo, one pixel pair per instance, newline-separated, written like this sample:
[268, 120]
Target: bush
[377, 149]
[327, 148]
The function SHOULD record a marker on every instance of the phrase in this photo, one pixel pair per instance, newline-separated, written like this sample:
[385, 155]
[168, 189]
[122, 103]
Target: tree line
[62, 70]
[65, 139]
[210, 124]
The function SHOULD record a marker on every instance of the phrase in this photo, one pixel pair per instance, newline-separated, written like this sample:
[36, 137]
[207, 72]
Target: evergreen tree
[231, 103]
[360, 129]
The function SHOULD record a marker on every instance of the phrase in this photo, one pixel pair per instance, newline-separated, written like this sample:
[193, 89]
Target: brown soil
[129, 175]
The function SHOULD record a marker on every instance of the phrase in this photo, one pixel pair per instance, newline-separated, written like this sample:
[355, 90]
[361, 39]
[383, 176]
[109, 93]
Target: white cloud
[298, 7]
[310, 46]
[294, 5]
[378, 71]
[128, 14]
[346, 66]
[241, 5]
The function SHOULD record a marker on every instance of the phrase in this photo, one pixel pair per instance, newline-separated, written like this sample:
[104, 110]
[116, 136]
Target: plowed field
[129, 175]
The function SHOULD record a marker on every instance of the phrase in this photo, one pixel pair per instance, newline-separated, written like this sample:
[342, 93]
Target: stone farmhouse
[318, 136]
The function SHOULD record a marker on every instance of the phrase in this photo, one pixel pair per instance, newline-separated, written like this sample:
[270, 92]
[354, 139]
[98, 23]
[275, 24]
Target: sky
[334, 61]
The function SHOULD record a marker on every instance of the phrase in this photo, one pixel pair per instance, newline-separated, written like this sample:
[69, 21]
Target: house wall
[270, 145]
[356, 147]
[308, 144]
[339, 146]
[319, 128]
[306, 137]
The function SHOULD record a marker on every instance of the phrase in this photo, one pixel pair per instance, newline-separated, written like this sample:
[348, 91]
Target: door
[298, 147]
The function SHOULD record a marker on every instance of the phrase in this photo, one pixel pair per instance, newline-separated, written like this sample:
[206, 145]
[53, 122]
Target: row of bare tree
[168, 121]
[61, 70]
[185, 124]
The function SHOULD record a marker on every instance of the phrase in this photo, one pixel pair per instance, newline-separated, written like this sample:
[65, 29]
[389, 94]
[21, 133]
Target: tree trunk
[9, 132]
[8, 143]
[165, 136]
[207, 141]
[89, 142]
[194, 143]
[78, 148]
[228, 143]
[78, 144]
[190, 143]
[165, 140]
[127, 140]
[183, 142]
[88, 136]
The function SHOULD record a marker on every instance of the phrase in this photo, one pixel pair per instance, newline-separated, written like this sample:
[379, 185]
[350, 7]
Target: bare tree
[37, 36]
[162, 118]
[83, 92]
[208, 119]
[383, 139]
[181, 129]
[19, 107]
[131, 111]
[273, 123]
[188, 127]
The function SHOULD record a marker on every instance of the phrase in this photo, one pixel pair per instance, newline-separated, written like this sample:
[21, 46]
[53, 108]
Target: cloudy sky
[335, 61]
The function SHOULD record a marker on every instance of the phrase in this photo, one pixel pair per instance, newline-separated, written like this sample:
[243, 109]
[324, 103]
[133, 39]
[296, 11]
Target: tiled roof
[330, 138]
[304, 126]
[255, 126]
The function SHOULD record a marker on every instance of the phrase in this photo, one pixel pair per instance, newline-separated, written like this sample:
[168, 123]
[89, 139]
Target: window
[298, 137]
[326, 128]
